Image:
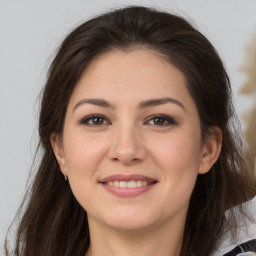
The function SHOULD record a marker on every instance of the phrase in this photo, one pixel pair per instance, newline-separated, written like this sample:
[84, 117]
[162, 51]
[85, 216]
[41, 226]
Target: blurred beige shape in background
[249, 89]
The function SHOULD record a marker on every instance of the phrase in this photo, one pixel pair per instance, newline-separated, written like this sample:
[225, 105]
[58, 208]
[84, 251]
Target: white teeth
[131, 184]
[139, 183]
[123, 184]
[128, 184]
[116, 184]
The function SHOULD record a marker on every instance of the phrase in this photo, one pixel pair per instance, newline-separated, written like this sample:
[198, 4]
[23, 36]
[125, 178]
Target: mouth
[128, 185]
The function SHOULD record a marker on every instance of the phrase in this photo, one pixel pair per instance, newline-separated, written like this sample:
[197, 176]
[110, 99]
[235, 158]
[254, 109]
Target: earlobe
[211, 150]
[58, 151]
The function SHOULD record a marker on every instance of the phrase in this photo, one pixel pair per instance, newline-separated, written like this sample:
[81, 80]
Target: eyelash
[86, 120]
[165, 120]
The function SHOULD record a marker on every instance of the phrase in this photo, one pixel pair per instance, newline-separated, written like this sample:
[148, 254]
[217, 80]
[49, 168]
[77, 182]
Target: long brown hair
[53, 223]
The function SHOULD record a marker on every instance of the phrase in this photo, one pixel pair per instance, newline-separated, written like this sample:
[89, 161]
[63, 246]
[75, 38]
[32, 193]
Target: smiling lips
[127, 185]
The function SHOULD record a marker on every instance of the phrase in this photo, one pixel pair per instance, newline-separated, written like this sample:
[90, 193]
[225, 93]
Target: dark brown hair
[53, 222]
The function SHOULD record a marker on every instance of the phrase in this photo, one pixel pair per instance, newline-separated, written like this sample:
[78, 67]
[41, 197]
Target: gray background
[30, 31]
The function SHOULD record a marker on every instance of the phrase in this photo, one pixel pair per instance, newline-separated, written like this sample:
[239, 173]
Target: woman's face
[131, 145]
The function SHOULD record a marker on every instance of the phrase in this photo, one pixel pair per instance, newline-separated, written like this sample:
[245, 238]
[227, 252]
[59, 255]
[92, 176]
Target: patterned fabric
[246, 249]
[246, 235]
[247, 254]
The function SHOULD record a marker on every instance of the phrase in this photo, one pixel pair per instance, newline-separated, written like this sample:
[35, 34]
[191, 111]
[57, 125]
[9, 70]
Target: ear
[57, 147]
[211, 149]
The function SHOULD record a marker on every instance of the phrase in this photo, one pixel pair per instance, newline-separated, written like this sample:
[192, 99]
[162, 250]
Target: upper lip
[125, 177]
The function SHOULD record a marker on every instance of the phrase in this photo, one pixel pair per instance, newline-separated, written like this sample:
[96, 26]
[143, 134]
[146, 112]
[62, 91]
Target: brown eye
[161, 120]
[95, 120]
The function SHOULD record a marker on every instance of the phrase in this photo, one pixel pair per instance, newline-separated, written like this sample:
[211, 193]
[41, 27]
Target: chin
[131, 221]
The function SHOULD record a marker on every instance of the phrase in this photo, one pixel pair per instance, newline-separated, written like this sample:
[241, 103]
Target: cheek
[178, 153]
[179, 159]
[179, 164]
[82, 153]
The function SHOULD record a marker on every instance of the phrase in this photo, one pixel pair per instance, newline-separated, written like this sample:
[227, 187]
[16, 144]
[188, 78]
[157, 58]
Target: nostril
[132, 160]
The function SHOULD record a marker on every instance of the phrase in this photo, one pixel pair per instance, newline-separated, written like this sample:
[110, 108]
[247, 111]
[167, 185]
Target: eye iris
[159, 120]
[98, 120]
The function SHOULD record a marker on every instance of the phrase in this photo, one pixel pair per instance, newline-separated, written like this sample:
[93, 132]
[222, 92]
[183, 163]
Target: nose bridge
[127, 145]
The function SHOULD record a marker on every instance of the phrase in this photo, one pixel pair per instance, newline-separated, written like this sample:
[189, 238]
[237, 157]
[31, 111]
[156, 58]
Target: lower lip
[128, 192]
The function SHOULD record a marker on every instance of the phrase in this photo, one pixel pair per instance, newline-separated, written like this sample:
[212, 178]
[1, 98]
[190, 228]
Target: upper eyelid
[162, 116]
[168, 118]
[86, 118]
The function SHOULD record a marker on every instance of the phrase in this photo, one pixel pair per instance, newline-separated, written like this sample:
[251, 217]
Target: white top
[246, 231]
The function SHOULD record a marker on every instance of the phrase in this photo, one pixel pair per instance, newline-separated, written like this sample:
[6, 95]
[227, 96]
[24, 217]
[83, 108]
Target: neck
[162, 241]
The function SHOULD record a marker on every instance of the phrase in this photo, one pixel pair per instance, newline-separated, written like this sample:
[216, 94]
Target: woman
[140, 154]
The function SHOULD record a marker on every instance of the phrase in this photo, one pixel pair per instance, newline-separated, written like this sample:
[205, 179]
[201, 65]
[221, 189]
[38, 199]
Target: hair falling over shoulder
[50, 220]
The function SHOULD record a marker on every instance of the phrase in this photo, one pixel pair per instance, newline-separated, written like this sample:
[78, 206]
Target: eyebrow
[160, 101]
[142, 105]
[97, 102]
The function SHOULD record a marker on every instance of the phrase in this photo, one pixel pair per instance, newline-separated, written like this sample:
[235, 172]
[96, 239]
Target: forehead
[137, 66]
[137, 74]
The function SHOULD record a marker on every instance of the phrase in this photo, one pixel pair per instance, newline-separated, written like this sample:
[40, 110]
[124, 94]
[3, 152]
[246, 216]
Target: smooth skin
[134, 129]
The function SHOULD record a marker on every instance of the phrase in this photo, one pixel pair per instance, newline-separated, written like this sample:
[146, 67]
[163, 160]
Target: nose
[127, 146]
